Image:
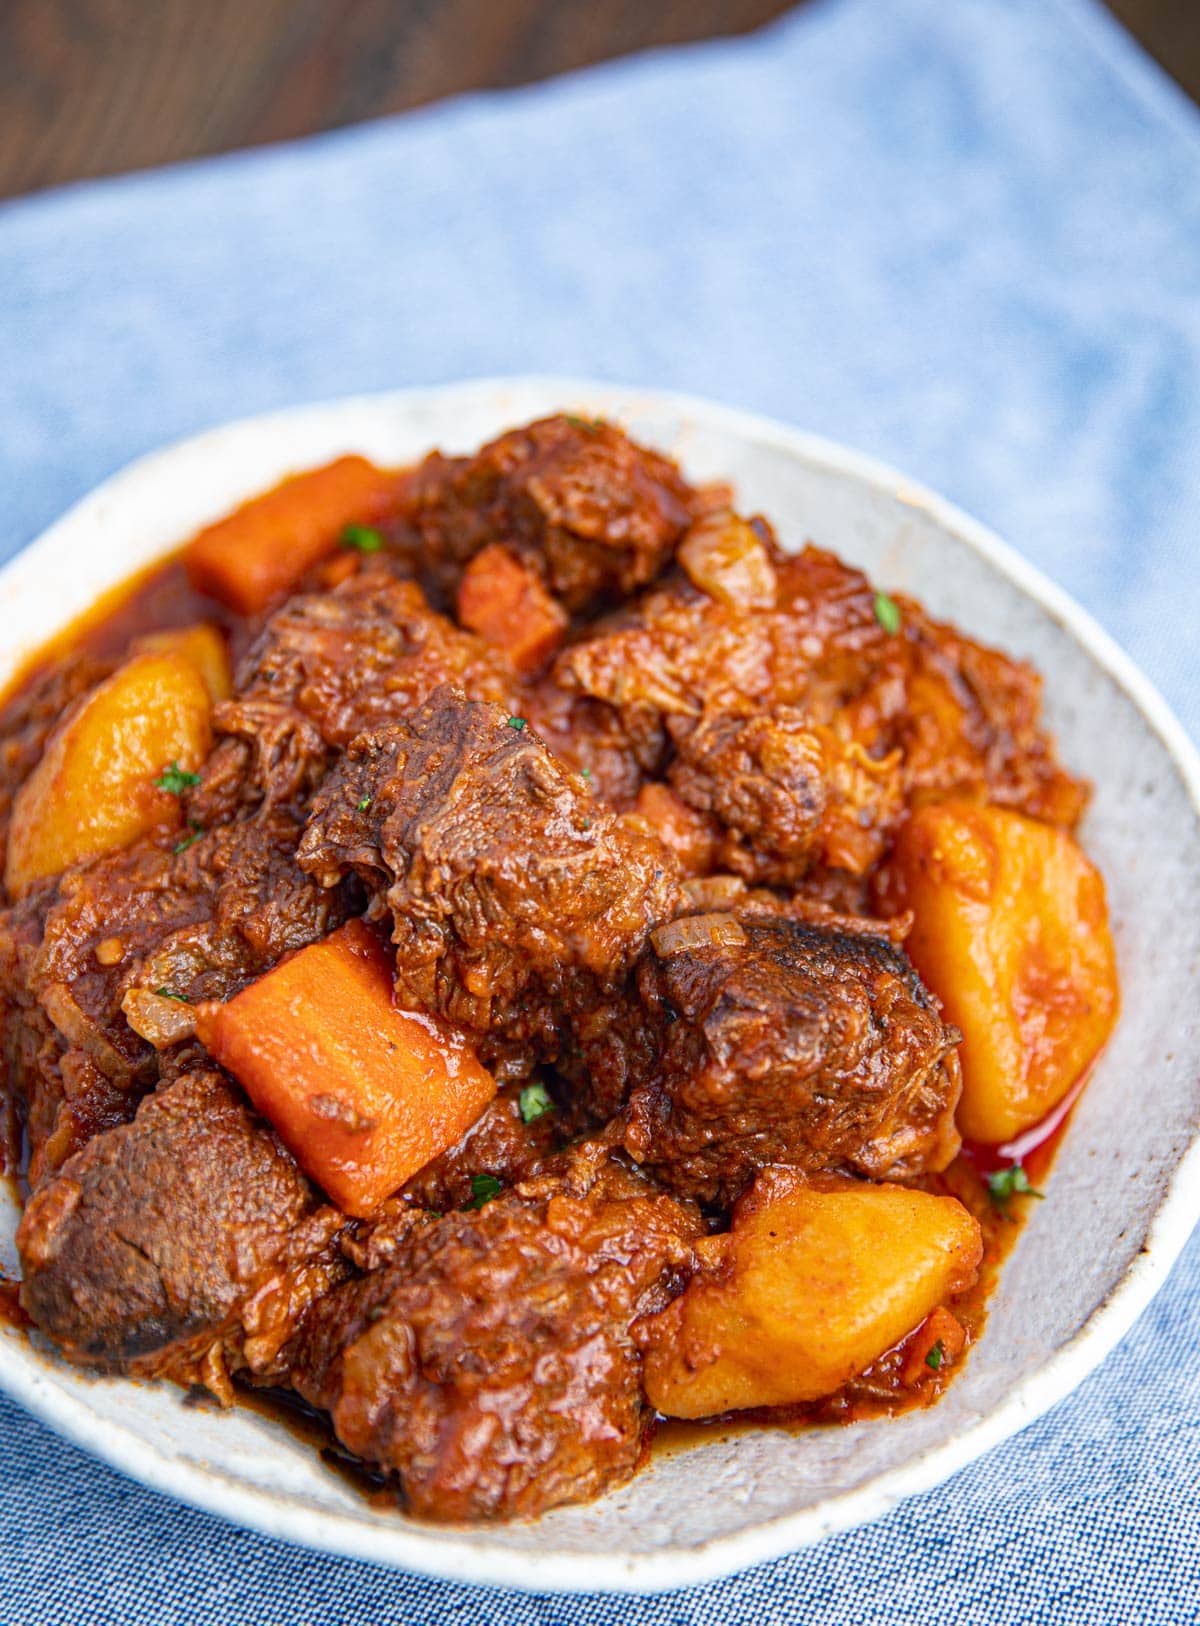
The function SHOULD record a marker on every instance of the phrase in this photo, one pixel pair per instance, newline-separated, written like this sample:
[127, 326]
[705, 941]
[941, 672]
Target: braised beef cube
[962, 719]
[790, 795]
[489, 1363]
[516, 896]
[783, 1042]
[595, 513]
[512, 1138]
[155, 1233]
[100, 968]
[325, 667]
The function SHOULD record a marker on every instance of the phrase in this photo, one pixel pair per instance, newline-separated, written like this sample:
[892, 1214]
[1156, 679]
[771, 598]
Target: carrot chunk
[502, 599]
[937, 1342]
[361, 1093]
[264, 547]
[692, 836]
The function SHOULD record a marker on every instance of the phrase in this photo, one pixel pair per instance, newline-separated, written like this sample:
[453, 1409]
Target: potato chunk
[812, 1283]
[1011, 932]
[93, 790]
[202, 644]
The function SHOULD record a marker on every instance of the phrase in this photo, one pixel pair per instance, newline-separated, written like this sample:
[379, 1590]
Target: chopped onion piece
[696, 931]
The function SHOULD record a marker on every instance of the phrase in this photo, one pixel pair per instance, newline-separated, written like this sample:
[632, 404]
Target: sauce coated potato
[1011, 932]
[93, 790]
[201, 644]
[813, 1282]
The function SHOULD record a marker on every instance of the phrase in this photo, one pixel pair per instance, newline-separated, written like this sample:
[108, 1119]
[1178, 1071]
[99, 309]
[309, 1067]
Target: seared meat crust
[86, 955]
[489, 1363]
[923, 706]
[787, 1043]
[325, 667]
[595, 513]
[155, 1232]
[516, 896]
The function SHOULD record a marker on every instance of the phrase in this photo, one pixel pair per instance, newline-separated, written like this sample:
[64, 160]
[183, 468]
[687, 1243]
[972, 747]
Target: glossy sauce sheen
[163, 598]
[684, 636]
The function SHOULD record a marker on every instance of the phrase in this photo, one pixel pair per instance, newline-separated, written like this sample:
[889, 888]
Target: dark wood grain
[91, 87]
[1170, 31]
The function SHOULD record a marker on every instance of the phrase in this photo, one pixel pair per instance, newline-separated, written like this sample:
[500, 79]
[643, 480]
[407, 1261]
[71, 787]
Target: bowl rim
[467, 1555]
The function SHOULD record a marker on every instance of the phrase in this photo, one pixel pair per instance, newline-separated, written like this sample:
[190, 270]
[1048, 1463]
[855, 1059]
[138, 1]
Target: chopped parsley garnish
[363, 537]
[1011, 1182]
[484, 1187]
[936, 1356]
[516, 722]
[887, 613]
[585, 773]
[197, 831]
[169, 993]
[364, 804]
[589, 426]
[534, 1102]
[175, 780]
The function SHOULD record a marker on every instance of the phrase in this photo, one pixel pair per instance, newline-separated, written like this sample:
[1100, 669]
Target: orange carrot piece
[361, 1093]
[693, 836]
[502, 599]
[264, 547]
[938, 1328]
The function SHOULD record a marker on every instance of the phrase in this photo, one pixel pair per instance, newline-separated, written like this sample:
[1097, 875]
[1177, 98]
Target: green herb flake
[1011, 1182]
[586, 773]
[936, 1356]
[169, 993]
[516, 722]
[887, 613]
[175, 780]
[365, 538]
[587, 426]
[197, 831]
[484, 1187]
[534, 1102]
[364, 804]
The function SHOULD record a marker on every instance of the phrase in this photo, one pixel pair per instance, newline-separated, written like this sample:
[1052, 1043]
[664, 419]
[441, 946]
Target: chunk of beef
[516, 896]
[788, 795]
[325, 667]
[153, 1235]
[776, 1041]
[489, 1363]
[499, 1143]
[595, 513]
[963, 719]
[590, 736]
[101, 968]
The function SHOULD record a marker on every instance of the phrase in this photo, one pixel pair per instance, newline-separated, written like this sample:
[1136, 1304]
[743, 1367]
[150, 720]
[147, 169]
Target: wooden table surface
[94, 87]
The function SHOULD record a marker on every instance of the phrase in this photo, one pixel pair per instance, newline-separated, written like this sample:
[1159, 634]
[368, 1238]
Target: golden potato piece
[812, 1283]
[93, 790]
[203, 645]
[1011, 932]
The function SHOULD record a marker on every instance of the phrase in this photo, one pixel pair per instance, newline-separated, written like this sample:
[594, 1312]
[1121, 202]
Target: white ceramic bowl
[1125, 1191]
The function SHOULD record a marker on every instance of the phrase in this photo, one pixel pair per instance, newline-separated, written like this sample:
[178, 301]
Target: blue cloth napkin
[964, 237]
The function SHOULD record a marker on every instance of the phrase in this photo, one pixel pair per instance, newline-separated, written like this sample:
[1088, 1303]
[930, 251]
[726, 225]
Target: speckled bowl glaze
[1125, 1191]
